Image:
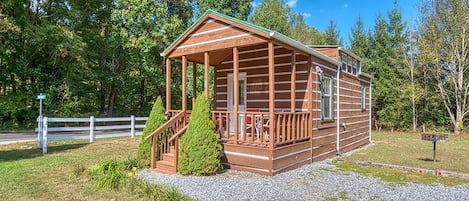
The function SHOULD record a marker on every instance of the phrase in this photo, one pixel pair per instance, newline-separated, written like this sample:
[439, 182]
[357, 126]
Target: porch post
[271, 92]
[310, 104]
[310, 95]
[235, 92]
[293, 83]
[206, 74]
[168, 84]
[194, 83]
[184, 82]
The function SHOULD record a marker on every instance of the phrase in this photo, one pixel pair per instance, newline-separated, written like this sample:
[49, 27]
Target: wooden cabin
[278, 104]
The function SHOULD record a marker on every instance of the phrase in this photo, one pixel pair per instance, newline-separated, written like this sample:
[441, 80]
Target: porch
[254, 148]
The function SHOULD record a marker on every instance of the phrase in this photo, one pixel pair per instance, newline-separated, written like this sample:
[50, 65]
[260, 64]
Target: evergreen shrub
[156, 119]
[200, 150]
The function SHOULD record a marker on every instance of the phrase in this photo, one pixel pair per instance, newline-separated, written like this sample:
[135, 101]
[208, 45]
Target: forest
[102, 57]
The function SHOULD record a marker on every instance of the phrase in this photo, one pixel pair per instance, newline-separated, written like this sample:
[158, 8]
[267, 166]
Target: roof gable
[214, 27]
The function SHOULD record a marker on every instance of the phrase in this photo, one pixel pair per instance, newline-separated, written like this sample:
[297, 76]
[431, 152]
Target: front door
[242, 98]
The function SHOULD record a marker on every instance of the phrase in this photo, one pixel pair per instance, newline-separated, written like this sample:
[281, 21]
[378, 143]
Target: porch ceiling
[216, 57]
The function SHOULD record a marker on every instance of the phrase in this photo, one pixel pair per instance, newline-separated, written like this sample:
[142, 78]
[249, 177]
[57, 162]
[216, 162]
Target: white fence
[43, 129]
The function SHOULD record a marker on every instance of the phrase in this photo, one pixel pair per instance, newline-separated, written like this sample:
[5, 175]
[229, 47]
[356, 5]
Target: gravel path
[317, 181]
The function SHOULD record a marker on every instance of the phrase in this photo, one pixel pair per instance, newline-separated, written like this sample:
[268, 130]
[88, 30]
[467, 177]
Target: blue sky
[345, 13]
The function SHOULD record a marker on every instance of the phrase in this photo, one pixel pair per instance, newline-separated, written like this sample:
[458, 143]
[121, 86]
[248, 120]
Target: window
[343, 59]
[363, 98]
[349, 64]
[327, 96]
[354, 69]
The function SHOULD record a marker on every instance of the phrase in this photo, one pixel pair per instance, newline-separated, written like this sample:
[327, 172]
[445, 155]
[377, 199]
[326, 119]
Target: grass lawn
[27, 174]
[408, 149]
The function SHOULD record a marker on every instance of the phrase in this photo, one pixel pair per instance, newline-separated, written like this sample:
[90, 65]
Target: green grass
[27, 174]
[400, 177]
[408, 149]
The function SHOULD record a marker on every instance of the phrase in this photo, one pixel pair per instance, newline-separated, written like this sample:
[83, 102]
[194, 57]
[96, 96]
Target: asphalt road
[8, 137]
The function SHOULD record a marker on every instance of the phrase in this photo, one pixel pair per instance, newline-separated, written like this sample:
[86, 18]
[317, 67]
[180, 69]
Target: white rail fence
[87, 125]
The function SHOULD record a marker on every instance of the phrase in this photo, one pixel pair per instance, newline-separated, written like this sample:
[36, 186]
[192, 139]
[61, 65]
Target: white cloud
[291, 3]
[345, 6]
[306, 15]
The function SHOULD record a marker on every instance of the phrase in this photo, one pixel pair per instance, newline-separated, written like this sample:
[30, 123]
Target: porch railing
[254, 127]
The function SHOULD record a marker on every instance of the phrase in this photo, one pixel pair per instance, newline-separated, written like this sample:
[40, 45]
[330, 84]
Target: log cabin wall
[354, 120]
[253, 61]
[324, 131]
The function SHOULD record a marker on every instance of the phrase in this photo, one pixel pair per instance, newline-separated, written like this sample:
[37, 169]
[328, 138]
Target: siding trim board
[245, 155]
[214, 40]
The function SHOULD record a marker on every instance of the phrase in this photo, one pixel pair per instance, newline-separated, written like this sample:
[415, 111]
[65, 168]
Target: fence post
[44, 137]
[91, 129]
[132, 126]
[39, 131]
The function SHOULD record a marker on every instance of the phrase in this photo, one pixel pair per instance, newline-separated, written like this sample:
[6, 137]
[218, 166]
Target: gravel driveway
[317, 181]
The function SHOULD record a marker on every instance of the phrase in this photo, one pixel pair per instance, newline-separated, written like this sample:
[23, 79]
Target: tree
[359, 43]
[155, 120]
[236, 8]
[303, 33]
[272, 15]
[332, 34]
[444, 47]
[200, 150]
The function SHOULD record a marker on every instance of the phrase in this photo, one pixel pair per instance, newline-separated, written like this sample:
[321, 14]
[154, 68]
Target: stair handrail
[167, 125]
[180, 132]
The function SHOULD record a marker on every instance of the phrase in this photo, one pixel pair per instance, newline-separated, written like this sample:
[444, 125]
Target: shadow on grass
[428, 159]
[27, 152]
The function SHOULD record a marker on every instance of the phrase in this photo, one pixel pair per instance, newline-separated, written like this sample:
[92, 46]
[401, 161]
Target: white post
[91, 129]
[39, 131]
[44, 137]
[370, 112]
[132, 126]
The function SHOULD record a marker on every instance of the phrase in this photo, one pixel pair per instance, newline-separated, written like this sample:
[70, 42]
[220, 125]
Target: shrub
[108, 175]
[200, 149]
[121, 175]
[155, 120]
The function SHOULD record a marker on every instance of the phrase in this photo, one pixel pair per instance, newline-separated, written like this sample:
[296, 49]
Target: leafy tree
[273, 15]
[155, 120]
[236, 8]
[200, 149]
[443, 44]
[303, 33]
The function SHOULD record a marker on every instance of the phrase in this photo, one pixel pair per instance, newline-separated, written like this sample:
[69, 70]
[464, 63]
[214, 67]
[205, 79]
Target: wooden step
[166, 167]
[170, 157]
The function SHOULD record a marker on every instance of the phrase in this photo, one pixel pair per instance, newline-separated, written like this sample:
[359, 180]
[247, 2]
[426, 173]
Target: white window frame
[327, 84]
[363, 98]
